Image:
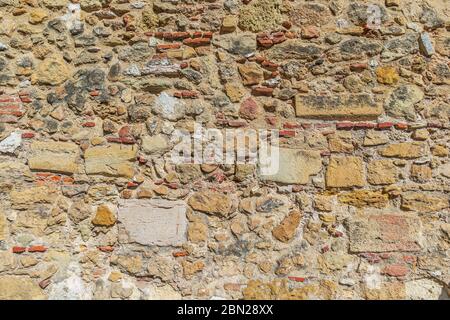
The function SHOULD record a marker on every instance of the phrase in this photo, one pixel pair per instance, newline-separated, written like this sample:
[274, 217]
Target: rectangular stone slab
[339, 107]
[154, 222]
[385, 233]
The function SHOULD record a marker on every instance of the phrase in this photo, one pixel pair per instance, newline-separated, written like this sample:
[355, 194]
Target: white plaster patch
[11, 143]
[71, 288]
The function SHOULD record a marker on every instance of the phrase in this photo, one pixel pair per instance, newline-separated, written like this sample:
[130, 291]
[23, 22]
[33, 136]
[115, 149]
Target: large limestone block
[154, 222]
[58, 157]
[113, 160]
[385, 232]
[20, 288]
[329, 107]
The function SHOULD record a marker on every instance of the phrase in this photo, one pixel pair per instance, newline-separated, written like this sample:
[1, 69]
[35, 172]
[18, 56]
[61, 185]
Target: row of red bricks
[32, 249]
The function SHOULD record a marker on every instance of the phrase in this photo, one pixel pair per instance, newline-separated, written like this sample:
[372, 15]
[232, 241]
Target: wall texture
[91, 92]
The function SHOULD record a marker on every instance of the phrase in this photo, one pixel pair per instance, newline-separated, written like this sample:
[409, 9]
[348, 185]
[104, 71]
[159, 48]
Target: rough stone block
[345, 107]
[385, 232]
[59, 157]
[113, 160]
[296, 166]
[154, 222]
[343, 172]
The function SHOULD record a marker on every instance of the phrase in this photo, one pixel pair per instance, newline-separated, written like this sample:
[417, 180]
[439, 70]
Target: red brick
[44, 283]
[287, 133]
[18, 249]
[167, 46]
[385, 125]
[183, 253]
[37, 249]
[395, 270]
[195, 42]
[297, 279]
[89, 124]
[344, 125]
[28, 135]
[105, 248]
[401, 126]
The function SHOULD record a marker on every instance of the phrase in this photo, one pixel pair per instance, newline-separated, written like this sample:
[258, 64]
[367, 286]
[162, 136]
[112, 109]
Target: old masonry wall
[92, 90]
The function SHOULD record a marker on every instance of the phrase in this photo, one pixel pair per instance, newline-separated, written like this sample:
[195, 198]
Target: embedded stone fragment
[294, 49]
[380, 172]
[154, 221]
[104, 217]
[211, 202]
[251, 73]
[385, 232]
[155, 144]
[296, 166]
[20, 288]
[52, 71]
[404, 150]
[387, 75]
[425, 44]
[114, 160]
[260, 15]
[58, 157]
[402, 100]
[348, 107]
[285, 231]
[240, 44]
[422, 202]
[343, 172]
[364, 198]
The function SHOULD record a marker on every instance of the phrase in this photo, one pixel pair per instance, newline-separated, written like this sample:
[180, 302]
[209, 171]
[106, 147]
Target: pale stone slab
[385, 232]
[329, 107]
[154, 221]
[296, 166]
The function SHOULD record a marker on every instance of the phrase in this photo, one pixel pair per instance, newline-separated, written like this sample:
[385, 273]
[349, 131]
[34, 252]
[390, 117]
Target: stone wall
[91, 91]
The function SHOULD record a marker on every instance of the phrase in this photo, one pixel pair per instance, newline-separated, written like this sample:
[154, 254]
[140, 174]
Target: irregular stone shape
[343, 172]
[229, 23]
[285, 231]
[385, 232]
[260, 15]
[197, 232]
[240, 44]
[400, 46]
[402, 100]
[169, 107]
[155, 144]
[104, 217]
[364, 198]
[296, 166]
[351, 107]
[59, 157]
[52, 71]
[150, 20]
[211, 202]
[423, 289]
[154, 221]
[375, 138]
[294, 49]
[424, 203]
[387, 75]
[113, 160]
[11, 143]
[20, 288]
[234, 91]
[404, 150]
[251, 73]
[355, 48]
[380, 172]
[90, 5]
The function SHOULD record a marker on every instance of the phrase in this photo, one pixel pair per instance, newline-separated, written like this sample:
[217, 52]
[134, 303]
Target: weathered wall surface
[91, 91]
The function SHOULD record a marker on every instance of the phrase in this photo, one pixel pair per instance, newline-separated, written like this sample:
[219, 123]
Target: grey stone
[425, 45]
[154, 222]
[241, 44]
